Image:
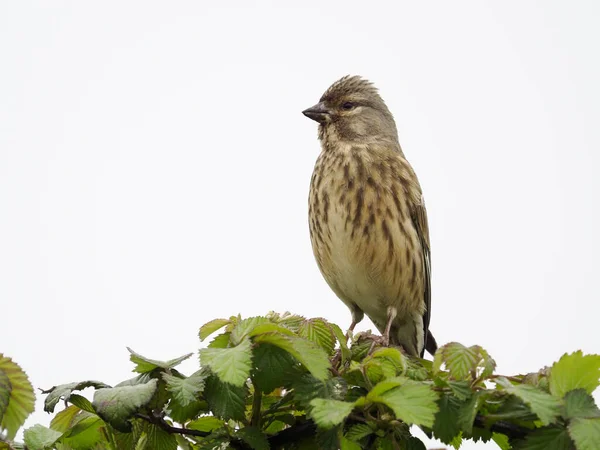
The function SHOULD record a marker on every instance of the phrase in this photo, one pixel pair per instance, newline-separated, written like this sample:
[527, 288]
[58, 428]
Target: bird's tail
[430, 343]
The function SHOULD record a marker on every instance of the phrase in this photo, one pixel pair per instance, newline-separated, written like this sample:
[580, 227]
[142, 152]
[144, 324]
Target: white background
[154, 170]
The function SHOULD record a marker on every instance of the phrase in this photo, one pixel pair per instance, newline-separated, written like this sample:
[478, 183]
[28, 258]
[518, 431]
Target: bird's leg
[357, 316]
[392, 312]
[351, 329]
[385, 338]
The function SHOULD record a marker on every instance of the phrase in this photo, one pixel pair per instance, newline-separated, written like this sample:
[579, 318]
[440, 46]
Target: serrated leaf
[142, 442]
[328, 413]
[231, 365]
[206, 424]
[319, 332]
[119, 404]
[579, 404]
[158, 439]
[309, 354]
[245, 326]
[146, 365]
[341, 338]
[414, 443]
[585, 433]
[291, 321]
[359, 431]
[273, 367]
[307, 387]
[210, 327]
[85, 432]
[225, 400]
[446, 427]
[18, 399]
[545, 406]
[460, 389]
[182, 414]
[254, 438]
[65, 391]
[327, 439]
[220, 341]
[502, 441]
[185, 390]
[468, 411]
[347, 444]
[460, 361]
[412, 402]
[574, 371]
[548, 438]
[39, 437]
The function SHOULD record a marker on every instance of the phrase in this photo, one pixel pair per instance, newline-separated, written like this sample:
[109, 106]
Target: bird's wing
[419, 217]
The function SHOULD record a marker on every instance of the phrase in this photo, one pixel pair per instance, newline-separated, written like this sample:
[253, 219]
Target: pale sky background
[155, 164]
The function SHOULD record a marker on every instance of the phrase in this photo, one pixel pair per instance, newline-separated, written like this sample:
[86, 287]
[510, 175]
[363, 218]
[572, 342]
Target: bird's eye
[348, 106]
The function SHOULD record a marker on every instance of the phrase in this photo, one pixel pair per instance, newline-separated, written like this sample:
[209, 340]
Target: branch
[160, 422]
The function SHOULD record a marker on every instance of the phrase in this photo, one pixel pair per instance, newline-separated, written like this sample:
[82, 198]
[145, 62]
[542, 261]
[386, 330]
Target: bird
[367, 217]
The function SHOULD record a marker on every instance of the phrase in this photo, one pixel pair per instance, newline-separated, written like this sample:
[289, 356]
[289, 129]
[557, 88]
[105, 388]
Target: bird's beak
[319, 112]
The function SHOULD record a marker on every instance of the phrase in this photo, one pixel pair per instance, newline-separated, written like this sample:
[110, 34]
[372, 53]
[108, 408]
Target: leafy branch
[282, 381]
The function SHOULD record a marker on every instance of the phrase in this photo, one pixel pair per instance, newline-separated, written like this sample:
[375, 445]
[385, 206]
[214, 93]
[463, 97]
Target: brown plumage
[368, 223]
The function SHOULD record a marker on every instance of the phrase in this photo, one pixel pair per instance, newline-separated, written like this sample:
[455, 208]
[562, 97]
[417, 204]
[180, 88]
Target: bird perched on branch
[368, 223]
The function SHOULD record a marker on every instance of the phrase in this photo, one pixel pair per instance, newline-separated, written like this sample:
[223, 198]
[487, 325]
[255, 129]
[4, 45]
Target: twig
[159, 421]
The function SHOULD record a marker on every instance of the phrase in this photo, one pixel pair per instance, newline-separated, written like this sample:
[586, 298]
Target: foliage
[286, 382]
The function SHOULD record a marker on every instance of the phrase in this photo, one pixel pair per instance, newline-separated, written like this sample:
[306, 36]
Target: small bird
[367, 218]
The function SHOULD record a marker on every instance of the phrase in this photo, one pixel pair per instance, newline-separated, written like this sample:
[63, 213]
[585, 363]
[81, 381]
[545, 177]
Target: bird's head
[352, 110]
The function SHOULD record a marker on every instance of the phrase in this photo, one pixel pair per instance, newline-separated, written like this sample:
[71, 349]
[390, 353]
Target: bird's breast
[362, 232]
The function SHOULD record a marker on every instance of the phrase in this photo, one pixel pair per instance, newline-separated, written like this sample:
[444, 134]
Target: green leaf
[359, 431]
[82, 403]
[64, 419]
[40, 438]
[225, 400]
[341, 338]
[547, 438]
[185, 390]
[119, 404]
[85, 433]
[468, 411]
[328, 413]
[65, 391]
[446, 427]
[17, 397]
[545, 406]
[461, 361]
[158, 439]
[414, 443]
[412, 402]
[308, 353]
[142, 442]
[574, 371]
[182, 414]
[220, 341]
[290, 321]
[210, 327]
[502, 441]
[460, 389]
[145, 365]
[319, 332]
[273, 367]
[244, 327]
[231, 365]
[585, 433]
[347, 444]
[307, 387]
[579, 404]
[206, 424]
[254, 438]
